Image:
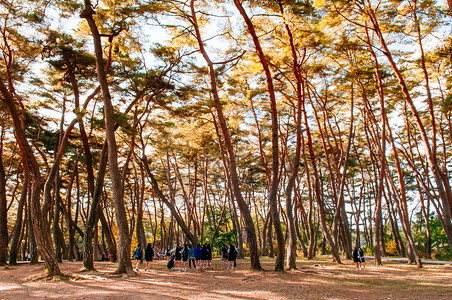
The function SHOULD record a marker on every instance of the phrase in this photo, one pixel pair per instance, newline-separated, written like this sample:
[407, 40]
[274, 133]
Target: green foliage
[223, 236]
[439, 243]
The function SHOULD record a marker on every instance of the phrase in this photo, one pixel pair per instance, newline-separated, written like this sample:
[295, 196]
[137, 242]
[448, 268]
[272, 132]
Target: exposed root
[84, 269]
[52, 278]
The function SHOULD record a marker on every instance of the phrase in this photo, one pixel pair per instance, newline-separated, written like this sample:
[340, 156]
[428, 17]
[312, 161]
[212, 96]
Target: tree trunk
[292, 226]
[125, 263]
[111, 244]
[192, 237]
[273, 188]
[38, 220]
[317, 191]
[271, 250]
[244, 209]
[91, 222]
[16, 234]
[57, 234]
[3, 211]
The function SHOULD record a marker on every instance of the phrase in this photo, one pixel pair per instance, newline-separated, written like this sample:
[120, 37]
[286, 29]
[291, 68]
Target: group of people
[181, 258]
[200, 257]
[358, 258]
[148, 256]
[230, 256]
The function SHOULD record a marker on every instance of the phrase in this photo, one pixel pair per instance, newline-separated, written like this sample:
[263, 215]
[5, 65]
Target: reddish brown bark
[249, 224]
[273, 187]
[125, 264]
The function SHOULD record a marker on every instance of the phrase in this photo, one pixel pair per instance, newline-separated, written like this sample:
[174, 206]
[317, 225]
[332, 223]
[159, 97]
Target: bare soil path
[318, 279]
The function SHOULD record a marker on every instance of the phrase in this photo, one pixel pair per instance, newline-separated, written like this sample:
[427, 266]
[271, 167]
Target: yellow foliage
[391, 248]
[319, 3]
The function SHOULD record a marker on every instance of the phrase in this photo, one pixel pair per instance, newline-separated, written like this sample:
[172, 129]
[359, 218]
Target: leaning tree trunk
[273, 188]
[16, 234]
[111, 244]
[292, 230]
[235, 218]
[244, 209]
[91, 222]
[174, 212]
[317, 191]
[32, 247]
[125, 263]
[38, 216]
[3, 212]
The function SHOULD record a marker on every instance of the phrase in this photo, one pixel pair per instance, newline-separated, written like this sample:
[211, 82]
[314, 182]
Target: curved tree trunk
[125, 263]
[244, 209]
[111, 244]
[16, 234]
[91, 222]
[192, 237]
[273, 188]
[292, 230]
[38, 216]
[3, 211]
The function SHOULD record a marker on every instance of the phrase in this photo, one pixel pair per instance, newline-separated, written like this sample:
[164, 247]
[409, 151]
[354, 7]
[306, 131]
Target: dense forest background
[286, 127]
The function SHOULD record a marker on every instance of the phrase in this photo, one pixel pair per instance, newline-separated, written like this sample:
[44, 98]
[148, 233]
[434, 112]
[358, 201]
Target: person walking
[362, 260]
[138, 255]
[149, 256]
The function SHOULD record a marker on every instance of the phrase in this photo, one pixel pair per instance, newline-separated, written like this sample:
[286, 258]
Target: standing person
[204, 257]
[224, 251]
[198, 256]
[362, 259]
[178, 257]
[191, 256]
[209, 257]
[138, 254]
[148, 255]
[355, 255]
[232, 256]
[185, 257]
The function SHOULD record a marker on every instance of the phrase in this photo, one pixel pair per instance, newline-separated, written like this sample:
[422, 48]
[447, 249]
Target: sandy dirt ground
[318, 279]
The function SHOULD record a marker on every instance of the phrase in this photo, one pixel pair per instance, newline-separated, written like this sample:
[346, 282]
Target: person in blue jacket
[138, 255]
[198, 256]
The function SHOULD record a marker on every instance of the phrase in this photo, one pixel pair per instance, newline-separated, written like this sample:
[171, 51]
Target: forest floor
[315, 279]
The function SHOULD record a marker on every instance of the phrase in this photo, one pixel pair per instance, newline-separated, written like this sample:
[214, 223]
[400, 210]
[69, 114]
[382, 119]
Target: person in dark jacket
[355, 255]
[224, 251]
[362, 260]
[185, 257]
[170, 263]
[138, 255]
[178, 255]
[232, 256]
[149, 256]
[209, 257]
[204, 257]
